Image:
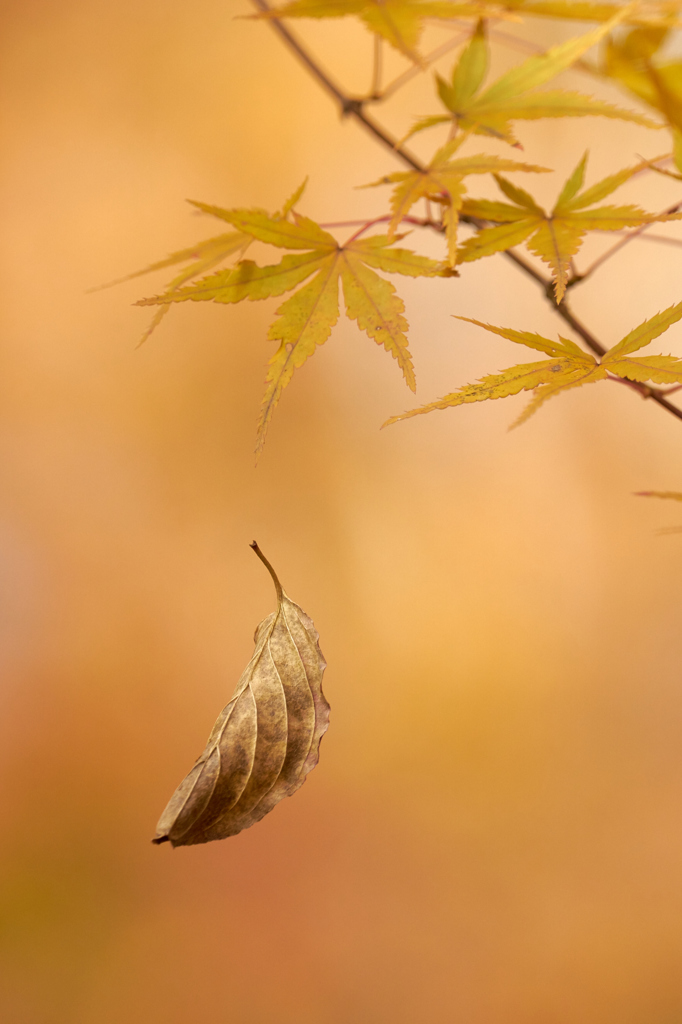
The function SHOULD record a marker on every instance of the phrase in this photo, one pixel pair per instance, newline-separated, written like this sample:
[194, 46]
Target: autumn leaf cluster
[319, 263]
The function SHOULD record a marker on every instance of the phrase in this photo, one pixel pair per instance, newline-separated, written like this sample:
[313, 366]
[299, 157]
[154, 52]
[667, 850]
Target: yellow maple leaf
[443, 182]
[557, 236]
[306, 318]
[568, 367]
[205, 256]
[399, 22]
[659, 369]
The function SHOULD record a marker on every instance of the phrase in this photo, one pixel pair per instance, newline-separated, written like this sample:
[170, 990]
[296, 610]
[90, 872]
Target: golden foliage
[443, 182]
[569, 367]
[305, 320]
[555, 237]
[511, 98]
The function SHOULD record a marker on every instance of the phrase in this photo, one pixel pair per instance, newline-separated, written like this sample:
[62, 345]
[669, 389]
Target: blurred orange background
[494, 832]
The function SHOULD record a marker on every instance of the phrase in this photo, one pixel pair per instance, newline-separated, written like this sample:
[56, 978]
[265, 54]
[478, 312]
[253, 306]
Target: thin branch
[661, 239]
[366, 225]
[418, 69]
[377, 67]
[646, 392]
[620, 244]
[305, 58]
[426, 222]
[352, 107]
[596, 347]
[601, 260]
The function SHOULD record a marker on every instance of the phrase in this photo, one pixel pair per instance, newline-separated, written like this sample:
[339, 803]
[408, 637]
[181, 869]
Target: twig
[620, 244]
[661, 239]
[352, 107]
[426, 222]
[418, 69]
[375, 88]
[365, 225]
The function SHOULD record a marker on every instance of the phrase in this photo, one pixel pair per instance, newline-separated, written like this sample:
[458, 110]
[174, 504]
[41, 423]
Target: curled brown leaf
[265, 740]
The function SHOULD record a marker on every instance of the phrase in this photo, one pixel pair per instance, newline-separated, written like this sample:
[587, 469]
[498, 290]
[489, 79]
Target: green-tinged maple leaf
[306, 318]
[443, 182]
[568, 367]
[555, 237]
[399, 22]
[491, 111]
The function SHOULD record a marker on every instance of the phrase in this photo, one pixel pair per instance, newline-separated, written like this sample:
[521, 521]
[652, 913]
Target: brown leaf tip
[160, 839]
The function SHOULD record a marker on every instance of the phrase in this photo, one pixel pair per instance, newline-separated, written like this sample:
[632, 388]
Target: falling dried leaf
[265, 740]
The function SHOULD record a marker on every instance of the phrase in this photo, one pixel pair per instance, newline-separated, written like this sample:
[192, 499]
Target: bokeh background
[494, 832]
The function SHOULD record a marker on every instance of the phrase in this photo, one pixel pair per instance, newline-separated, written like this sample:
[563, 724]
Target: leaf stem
[278, 585]
[353, 107]
[364, 226]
